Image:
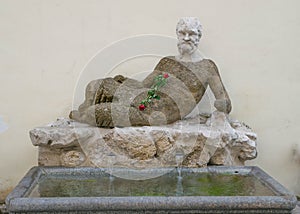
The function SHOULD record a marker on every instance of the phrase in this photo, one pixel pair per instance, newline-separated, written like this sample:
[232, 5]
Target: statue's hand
[75, 115]
[223, 105]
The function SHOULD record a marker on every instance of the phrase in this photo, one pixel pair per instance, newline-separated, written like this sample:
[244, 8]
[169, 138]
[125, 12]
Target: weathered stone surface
[114, 102]
[201, 140]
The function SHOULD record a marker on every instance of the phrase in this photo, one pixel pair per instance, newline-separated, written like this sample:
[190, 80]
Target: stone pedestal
[192, 142]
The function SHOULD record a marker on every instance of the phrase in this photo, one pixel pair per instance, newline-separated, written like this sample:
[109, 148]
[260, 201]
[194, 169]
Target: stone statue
[123, 102]
[115, 102]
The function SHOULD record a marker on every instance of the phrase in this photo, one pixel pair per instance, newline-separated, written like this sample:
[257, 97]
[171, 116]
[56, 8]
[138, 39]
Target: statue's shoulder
[165, 63]
[212, 65]
[167, 59]
[209, 62]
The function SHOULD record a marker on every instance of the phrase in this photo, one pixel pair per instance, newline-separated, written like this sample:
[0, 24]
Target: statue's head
[189, 32]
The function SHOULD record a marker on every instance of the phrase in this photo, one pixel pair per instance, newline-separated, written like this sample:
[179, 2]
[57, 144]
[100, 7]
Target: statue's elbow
[229, 107]
[223, 105]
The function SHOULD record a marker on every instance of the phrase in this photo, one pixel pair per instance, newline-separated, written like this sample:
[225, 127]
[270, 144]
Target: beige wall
[44, 45]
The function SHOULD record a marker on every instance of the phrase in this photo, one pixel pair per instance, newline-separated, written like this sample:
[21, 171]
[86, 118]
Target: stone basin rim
[150, 203]
[18, 201]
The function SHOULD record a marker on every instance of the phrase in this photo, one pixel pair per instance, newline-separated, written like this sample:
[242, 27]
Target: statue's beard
[186, 47]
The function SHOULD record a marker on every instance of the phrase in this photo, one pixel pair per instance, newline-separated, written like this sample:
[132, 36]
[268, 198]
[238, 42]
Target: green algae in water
[191, 184]
[225, 185]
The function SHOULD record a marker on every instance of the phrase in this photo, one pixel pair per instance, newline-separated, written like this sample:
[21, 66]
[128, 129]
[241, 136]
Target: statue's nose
[187, 37]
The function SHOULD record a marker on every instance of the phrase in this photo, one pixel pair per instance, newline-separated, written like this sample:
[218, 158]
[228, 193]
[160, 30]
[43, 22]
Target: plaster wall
[44, 45]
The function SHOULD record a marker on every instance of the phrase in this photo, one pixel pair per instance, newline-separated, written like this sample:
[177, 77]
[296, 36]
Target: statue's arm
[222, 102]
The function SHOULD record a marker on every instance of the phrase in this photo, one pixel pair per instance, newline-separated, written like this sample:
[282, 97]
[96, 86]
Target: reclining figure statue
[121, 101]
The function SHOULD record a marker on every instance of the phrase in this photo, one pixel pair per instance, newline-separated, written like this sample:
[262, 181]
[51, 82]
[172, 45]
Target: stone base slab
[193, 142]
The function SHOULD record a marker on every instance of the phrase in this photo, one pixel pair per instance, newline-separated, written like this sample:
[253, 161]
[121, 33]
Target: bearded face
[188, 40]
[189, 31]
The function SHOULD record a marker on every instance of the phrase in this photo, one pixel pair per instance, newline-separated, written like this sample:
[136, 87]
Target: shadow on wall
[296, 153]
[6, 191]
[296, 159]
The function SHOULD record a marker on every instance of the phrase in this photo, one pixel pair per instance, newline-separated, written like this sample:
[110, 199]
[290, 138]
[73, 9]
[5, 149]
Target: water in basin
[170, 184]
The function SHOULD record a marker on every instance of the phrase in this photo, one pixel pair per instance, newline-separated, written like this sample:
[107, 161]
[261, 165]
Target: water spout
[111, 161]
[179, 158]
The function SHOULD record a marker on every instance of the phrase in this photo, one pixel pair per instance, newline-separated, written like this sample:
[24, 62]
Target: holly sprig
[159, 81]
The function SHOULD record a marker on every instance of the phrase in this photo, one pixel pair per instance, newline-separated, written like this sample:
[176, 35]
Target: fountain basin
[199, 190]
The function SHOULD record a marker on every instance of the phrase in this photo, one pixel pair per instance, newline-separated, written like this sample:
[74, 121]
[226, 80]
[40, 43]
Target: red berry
[142, 107]
[166, 75]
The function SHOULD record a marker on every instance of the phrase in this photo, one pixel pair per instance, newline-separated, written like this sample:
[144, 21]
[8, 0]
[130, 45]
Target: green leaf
[151, 92]
[159, 81]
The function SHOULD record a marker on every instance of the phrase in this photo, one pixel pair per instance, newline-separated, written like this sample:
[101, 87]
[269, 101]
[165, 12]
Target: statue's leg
[117, 115]
[100, 91]
[95, 115]
[112, 115]
[158, 112]
[109, 103]
[90, 93]
[96, 92]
